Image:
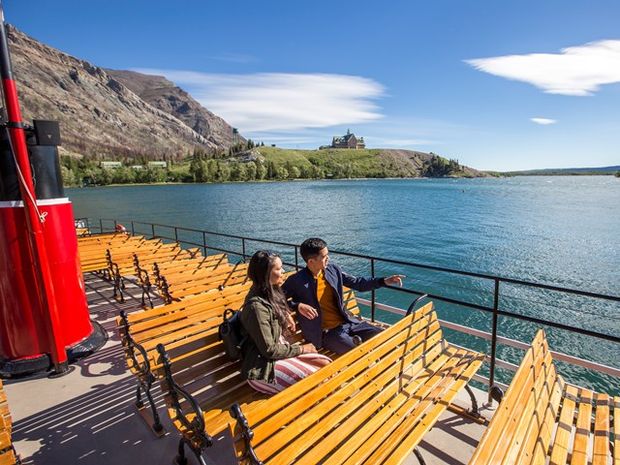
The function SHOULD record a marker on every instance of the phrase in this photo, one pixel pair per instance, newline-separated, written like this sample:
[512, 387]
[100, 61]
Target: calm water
[555, 230]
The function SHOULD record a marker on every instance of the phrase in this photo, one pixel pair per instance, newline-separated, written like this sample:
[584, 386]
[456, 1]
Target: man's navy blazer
[301, 288]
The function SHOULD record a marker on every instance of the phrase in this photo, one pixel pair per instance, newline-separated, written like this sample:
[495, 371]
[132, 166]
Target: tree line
[220, 167]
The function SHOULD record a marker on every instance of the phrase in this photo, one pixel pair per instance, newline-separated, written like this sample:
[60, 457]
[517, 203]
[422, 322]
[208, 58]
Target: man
[316, 293]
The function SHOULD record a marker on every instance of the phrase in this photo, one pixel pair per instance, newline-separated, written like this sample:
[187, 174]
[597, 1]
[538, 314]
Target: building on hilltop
[348, 141]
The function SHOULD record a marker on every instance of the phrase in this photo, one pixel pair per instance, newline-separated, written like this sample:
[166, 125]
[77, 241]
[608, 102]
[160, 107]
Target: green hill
[272, 163]
[362, 163]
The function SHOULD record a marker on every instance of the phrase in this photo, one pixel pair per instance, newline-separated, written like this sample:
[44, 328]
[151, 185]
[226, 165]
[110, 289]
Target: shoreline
[174, 183]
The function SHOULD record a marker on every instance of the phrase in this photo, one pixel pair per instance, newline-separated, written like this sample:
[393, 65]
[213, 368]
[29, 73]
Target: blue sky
[497, 85]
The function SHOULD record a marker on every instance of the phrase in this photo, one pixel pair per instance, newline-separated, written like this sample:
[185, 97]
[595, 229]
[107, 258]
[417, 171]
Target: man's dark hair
[311, 247]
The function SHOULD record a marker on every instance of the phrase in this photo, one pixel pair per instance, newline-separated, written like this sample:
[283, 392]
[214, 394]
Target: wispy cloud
[282, 101]
[543, 121]
[579, 70]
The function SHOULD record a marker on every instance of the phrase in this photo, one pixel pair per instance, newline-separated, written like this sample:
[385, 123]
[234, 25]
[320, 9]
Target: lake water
[563, 231]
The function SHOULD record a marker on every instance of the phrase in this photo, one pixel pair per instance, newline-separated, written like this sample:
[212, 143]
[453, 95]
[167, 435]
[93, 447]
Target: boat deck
[88, 416]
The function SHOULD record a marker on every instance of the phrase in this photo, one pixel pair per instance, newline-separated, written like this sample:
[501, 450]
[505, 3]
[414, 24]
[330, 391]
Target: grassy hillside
[334, 163]
[272, 163]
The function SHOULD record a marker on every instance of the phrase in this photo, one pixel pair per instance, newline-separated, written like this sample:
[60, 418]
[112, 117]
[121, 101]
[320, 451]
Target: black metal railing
[155, 229]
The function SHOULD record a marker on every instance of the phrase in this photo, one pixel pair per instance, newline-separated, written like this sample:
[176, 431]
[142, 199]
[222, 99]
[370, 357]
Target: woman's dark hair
[259, 271]
[311, 247]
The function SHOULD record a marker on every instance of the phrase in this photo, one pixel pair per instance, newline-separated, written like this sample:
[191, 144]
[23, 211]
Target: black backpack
[230, 334]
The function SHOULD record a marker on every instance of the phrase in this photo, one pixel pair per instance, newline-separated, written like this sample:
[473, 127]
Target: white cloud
[282, 101]
[543, 121]
[579, 70]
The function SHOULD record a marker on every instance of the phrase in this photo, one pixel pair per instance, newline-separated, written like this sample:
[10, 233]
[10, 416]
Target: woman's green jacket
[262, 348]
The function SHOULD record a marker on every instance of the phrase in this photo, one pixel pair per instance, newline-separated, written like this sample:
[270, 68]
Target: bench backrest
[544, 418]
[182, 319]
[346, 396]
[522, 426]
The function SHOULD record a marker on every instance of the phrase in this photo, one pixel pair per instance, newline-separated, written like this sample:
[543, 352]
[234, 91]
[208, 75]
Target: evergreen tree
[271, 170]
[251, 171]
[261, 171]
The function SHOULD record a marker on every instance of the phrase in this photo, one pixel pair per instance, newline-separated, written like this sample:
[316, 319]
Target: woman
[271, 364]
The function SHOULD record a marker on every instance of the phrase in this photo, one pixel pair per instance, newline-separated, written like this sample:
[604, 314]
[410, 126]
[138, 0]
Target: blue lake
[563, 231]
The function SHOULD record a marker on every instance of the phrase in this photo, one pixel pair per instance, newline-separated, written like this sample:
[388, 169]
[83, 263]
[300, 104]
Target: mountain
[163, 94]
[109, 114]
[565, 171]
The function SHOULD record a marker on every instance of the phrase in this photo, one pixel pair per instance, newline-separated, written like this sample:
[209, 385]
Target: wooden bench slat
[616, 410]
[5, 440]
[600, 452]
[582, 431]
[8, 457]
[564, 431]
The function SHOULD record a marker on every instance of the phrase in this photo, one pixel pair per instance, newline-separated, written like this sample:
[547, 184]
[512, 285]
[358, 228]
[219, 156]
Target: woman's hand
[290, 323]
[308, 348]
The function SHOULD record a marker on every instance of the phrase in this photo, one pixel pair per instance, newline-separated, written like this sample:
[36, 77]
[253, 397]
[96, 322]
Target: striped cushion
[291, 370]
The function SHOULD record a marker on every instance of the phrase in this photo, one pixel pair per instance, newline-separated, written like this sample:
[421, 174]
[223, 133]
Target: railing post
[133, 229]
[115, 224]
[176, 234]
[296, 260]
[243, 247]
[493, 339]
[204, 243]
[152, 231]
[100, 225]
[373, 301]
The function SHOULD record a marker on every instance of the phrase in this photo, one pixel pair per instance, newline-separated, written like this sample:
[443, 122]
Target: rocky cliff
[163, 94]
[111, 114]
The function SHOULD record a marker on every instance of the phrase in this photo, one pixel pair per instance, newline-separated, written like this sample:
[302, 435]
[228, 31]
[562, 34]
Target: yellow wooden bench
[92, 249]
[542, 419]
[185, 322]
[126, 261]
[220, 276]
[180, 270]
[7, 451]
[371, 405]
